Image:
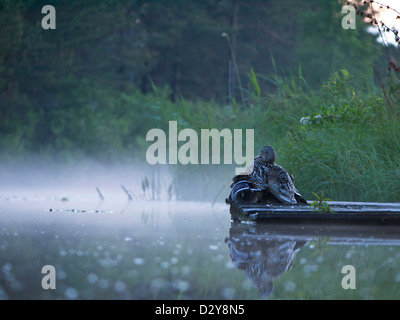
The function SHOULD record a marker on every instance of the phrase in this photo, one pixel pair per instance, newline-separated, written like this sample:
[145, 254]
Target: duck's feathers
[275, 179]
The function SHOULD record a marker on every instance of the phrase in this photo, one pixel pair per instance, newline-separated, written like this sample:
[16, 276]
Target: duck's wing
[299, 198]
[281, 185]
[260, 175]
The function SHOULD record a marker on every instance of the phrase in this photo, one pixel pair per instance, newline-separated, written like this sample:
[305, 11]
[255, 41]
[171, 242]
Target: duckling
[269, 176]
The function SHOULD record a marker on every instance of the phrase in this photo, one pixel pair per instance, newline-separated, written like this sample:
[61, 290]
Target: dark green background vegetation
[112, 70]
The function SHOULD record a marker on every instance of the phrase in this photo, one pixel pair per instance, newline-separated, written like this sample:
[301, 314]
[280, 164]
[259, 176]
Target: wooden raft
[343, 212]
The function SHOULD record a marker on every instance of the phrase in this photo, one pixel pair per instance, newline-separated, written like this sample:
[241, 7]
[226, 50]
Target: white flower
[304, 120]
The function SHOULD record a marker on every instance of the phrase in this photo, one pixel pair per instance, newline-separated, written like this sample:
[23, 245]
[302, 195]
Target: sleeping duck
[267, 175]
[268, 181]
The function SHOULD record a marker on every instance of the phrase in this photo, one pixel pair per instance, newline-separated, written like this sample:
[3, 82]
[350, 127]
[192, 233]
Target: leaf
[254, 82]
[317, 196]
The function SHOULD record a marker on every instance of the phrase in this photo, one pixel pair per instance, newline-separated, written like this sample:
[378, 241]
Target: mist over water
[80, 180]
[77, 180]
[158, 246]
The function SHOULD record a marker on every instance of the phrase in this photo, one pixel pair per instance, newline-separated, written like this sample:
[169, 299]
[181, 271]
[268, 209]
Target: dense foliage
[112, 70]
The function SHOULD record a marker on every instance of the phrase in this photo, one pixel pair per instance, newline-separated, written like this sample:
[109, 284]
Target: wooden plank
[342, 211]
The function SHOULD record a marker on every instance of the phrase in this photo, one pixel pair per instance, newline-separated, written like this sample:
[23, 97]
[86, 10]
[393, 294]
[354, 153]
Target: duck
[266, 175]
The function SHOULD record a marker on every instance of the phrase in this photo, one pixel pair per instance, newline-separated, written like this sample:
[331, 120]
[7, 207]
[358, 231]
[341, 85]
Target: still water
[185, 250]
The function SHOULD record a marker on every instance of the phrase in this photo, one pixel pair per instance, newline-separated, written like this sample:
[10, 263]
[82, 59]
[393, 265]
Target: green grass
[348, 148]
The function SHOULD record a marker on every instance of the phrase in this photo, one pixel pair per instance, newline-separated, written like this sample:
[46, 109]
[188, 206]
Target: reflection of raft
[343, 212]
[336, 234]
[266, 251]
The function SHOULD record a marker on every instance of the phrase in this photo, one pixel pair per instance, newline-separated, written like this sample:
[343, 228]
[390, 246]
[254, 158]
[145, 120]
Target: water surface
[184, 250]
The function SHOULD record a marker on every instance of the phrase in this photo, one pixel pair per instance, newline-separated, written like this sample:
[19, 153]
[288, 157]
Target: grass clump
[340, 139]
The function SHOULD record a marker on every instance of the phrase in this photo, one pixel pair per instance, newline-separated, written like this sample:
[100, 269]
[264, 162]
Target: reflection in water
[261, 258]
[266, 251]
[176, 250]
